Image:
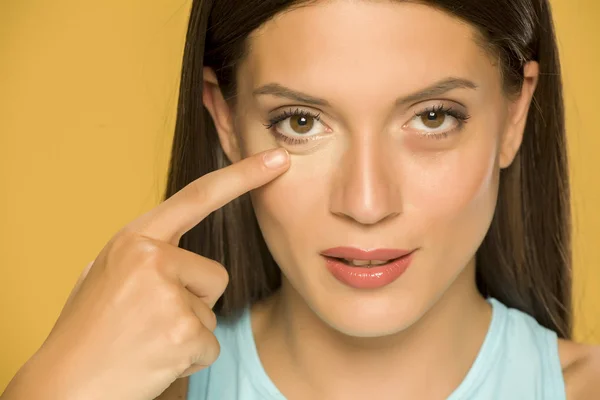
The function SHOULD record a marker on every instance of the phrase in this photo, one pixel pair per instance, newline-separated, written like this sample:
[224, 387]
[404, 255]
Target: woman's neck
[306, 358]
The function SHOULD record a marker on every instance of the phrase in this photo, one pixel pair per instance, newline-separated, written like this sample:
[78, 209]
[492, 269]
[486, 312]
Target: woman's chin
[369, 319]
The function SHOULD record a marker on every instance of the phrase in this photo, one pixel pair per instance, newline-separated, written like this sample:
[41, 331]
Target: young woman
[405, 235]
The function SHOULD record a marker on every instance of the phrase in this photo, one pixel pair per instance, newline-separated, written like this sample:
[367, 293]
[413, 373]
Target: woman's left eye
[296, 126]
[437, 122]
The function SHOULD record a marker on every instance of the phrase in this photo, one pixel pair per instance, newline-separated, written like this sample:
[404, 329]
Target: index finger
[186, 208]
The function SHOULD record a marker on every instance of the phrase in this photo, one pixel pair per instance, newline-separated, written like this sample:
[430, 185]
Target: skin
[369, 179]
[140, 316]
[141, 310]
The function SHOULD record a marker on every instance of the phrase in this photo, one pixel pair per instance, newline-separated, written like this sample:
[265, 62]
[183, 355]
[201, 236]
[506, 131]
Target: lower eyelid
[296, 141]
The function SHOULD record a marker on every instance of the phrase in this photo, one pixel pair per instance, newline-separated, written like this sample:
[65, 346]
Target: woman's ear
[222, 116]
[519, 109]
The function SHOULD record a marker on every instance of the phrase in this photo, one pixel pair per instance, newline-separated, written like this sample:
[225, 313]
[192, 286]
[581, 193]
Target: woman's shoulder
[580, 363]
[581, 369]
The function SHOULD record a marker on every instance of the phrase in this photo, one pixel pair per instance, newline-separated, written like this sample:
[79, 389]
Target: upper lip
[353, 253]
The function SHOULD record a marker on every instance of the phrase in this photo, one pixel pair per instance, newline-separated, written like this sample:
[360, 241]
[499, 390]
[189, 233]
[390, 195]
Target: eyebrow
[436, 89]
[278, 90]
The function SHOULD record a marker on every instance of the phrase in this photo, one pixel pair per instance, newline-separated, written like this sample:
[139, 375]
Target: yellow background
[87, 100]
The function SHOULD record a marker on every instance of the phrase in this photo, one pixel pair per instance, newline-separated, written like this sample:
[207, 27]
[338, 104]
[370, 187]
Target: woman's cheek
[289, 208]
[455, 197]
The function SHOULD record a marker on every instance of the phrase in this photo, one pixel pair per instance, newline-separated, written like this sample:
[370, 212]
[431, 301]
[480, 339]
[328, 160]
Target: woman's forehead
[366, 44]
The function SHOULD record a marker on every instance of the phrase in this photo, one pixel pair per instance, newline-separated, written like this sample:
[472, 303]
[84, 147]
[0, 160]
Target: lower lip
[368, 278]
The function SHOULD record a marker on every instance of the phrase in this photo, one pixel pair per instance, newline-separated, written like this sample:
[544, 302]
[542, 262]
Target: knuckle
[137, 255]
[211, 321]
[207, 352]
[147, 252]
[222, 275]
[128, 243]
[149, 257]
[185, 330]
[120, 242]
[169, 295]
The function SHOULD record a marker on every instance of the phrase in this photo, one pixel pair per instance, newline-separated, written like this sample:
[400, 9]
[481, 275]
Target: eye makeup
[438, 121]
[296, 126]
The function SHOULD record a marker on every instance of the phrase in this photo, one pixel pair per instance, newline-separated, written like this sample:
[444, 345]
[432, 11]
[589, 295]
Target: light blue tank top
[518, 361]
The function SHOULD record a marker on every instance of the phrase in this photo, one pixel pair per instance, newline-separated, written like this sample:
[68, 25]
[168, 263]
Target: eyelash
[459, 116]
[285, 115]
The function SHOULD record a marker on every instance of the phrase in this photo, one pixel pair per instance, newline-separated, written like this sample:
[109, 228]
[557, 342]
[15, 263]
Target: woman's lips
[370, 276]
[354, 253]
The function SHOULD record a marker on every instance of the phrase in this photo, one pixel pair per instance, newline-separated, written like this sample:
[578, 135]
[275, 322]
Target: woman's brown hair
[525, 258]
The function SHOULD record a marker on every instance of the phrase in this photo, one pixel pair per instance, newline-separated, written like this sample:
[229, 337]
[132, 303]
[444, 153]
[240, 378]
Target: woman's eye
[433, 121]
[296, 127]
[437, 122]
[300, 125]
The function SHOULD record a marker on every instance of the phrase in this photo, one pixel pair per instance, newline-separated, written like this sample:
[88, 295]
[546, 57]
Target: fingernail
[275, 158]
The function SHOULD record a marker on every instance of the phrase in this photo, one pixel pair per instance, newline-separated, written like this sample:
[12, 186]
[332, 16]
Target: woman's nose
[366, 185]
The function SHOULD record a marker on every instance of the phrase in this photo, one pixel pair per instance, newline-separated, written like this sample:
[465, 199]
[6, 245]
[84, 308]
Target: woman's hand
[141, 314]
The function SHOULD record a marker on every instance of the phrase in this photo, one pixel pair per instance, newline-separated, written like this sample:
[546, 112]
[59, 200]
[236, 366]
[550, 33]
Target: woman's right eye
[297, 127]
[304, 125]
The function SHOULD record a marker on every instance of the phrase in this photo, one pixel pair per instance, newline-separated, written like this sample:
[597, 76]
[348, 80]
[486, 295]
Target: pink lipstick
[366, 269]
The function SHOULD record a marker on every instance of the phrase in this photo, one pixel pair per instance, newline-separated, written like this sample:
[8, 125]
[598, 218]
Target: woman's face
[403, 127]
